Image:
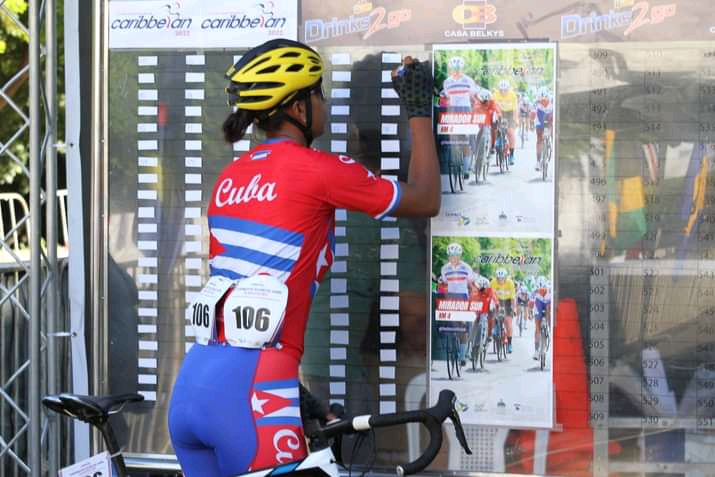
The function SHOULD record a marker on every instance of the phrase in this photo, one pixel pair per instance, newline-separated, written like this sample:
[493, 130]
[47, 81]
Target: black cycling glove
[414, 85]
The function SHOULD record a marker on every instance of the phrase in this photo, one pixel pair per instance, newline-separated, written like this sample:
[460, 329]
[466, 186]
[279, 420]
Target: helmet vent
[253, 99]
[269, 69]
[294, 68]
[290, 54]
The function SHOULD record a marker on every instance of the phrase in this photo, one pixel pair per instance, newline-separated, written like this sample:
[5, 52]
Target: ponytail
[235, 125]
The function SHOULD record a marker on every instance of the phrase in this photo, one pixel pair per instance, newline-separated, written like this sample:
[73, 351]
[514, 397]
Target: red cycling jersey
[273, 211]
[490, 110]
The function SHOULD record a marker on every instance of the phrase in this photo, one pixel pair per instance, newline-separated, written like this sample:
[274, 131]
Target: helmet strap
[306, 128]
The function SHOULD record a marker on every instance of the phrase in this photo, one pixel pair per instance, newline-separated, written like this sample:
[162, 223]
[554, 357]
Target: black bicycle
[502, 146]
[546, 154]
[95, 410]
[500, 338]
[544, 342]
[479, 342]
[450, 343]
[457, 166]
[481, 162]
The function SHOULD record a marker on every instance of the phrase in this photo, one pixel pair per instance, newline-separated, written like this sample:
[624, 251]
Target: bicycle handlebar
[432, 418]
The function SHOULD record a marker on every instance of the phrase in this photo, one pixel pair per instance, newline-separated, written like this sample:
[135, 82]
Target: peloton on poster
[491, 328]
[495, 134]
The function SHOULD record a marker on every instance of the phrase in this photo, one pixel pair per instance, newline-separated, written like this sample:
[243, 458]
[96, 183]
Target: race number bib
[203, 310]
[99, 465]
[253, 312]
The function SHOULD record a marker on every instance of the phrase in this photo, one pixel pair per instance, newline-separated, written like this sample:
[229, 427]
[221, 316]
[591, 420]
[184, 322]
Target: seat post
[113, 447]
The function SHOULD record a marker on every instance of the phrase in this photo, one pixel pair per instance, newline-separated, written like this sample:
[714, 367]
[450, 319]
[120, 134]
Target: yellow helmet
[272, 74]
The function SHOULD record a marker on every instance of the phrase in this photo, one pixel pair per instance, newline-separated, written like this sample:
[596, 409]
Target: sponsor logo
[474, 16]
[291, 441]
[227, 194]
[634, 16]
[366, 19]
[506, 259]
[170, 16]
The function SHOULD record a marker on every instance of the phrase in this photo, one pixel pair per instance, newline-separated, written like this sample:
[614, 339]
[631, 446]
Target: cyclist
[508, 103]
[459, 87]
[486, 106]
[506, 293]
[484, 293]
[525, 107]
[542, 303]
[522, 300]
[234, 405]
[544, 119]
[459, 276]
[461, 91]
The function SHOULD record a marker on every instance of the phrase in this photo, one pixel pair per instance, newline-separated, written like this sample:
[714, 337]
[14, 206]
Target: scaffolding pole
[52, 325]
[34, 382]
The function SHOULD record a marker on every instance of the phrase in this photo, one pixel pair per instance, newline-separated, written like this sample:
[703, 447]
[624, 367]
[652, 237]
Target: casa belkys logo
[365, 19]
[629, 15]
[475, 18]
[173, 16]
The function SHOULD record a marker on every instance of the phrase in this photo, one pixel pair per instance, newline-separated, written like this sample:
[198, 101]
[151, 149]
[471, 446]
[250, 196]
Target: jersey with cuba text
[273, 211]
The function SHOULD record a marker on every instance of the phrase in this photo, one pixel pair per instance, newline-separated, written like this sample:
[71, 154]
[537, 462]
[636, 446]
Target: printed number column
[599, 303]
[339, 301]
[149, 119]
[389, 239]
[193, 161]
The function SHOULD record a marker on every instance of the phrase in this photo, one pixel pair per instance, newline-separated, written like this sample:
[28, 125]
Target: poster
[197, 24]
[493, 241]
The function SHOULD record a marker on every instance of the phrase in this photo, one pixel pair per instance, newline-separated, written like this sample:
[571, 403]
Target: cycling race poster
[491, 328]
[494, 119]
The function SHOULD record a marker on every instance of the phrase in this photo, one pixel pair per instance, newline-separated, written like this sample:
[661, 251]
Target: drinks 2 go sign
[198, 23]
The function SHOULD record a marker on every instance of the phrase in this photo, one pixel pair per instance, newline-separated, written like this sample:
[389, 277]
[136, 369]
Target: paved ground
[514, 392]
[520, 193]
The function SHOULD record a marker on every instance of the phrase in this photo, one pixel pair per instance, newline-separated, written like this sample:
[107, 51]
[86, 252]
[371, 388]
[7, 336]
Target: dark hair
[235, 125]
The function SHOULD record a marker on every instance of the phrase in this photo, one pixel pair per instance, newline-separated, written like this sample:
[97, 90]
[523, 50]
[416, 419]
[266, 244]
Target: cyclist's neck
[272, 138]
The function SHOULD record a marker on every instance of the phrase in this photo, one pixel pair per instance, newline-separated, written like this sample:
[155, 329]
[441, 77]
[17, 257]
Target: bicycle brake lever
[458, 429]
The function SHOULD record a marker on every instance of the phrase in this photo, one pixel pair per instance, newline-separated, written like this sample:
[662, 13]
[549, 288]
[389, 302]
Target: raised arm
[421, 194]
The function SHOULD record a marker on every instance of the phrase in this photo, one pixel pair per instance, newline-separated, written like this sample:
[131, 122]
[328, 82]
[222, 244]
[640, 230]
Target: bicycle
[479, 342]
[546, 153]
[481, 164]
[456, 168]
[521, 319]
[450, 343]
[95, 410]
[502, 146]
[544, 342]
[500, 338]
[522, 128]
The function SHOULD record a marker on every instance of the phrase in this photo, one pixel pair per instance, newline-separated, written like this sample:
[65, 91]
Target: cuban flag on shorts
[244, 248]
[276, 403]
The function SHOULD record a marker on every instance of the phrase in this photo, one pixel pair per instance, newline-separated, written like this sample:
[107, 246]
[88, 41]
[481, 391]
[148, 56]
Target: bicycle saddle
[90, 409]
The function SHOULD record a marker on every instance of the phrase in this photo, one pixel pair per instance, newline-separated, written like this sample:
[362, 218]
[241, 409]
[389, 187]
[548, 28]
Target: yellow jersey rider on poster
[508, 103]
[505, 290]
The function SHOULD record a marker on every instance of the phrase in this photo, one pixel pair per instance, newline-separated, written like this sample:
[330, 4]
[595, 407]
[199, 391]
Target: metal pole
[34, 443]
[98, 272]
[53, 358]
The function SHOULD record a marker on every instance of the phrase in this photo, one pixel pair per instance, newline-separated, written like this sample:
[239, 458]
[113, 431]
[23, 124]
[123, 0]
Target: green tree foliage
[520, 257]
[14, 83]
[526, 68]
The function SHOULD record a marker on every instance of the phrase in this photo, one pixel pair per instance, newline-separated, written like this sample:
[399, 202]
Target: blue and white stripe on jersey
[396, 194]
[251, 247]
[457, 277]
